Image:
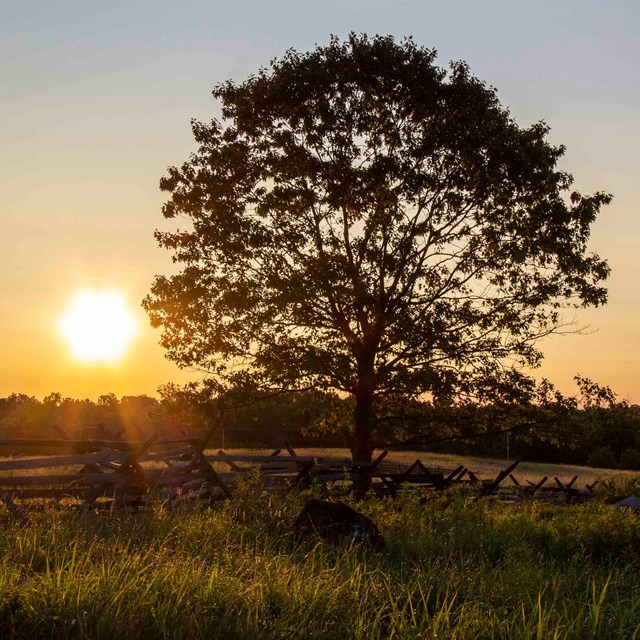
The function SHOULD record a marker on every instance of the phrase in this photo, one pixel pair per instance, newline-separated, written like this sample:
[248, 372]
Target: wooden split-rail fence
[388, 479]
[113, 473]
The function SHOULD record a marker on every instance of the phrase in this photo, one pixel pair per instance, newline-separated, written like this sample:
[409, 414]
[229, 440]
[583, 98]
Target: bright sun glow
[98, 326]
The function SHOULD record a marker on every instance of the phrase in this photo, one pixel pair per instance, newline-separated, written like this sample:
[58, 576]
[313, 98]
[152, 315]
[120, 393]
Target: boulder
[631, 502]
[337, 523]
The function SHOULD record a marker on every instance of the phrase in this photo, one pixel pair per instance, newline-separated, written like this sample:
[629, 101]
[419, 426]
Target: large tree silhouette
[362, 220]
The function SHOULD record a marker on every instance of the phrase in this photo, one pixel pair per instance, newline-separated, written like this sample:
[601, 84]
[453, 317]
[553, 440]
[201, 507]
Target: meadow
[454, 567]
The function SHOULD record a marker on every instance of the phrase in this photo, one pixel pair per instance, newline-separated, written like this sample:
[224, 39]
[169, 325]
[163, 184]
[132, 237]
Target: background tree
[364, 221]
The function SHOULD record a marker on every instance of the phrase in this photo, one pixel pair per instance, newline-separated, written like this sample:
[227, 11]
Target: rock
[632, 502]
[337, 523]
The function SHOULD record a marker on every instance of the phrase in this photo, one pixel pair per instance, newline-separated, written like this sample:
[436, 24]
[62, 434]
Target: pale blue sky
[96, 102]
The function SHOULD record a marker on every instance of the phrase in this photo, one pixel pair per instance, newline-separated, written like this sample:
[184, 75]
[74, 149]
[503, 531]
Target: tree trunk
[362, 443]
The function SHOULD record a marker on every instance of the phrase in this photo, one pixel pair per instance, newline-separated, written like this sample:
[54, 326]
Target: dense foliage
[23, 416]
[360, 220]
[591, 428]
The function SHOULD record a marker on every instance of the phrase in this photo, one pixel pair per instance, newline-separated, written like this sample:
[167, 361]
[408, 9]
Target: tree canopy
[364, 221]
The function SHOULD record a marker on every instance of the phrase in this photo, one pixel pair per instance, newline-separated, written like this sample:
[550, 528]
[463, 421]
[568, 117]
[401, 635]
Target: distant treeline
[594, 429]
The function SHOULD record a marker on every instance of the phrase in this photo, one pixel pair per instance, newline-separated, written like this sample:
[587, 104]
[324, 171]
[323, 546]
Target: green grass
[453, 568]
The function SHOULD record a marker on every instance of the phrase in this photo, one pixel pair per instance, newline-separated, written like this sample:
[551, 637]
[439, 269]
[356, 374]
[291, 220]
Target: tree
[364, 221]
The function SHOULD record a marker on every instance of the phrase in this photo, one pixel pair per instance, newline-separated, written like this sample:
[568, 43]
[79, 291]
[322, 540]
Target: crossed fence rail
[115, 473]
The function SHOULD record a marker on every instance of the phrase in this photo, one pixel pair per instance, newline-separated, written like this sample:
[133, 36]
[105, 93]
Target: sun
[98, 326]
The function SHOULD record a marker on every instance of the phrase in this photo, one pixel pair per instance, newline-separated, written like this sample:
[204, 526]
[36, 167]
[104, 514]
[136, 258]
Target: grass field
[454, 567]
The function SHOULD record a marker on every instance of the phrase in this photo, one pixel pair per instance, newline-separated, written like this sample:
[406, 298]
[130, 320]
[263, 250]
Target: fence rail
[116, 473]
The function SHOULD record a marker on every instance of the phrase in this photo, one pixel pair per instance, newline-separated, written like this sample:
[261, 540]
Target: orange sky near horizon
[97, 103]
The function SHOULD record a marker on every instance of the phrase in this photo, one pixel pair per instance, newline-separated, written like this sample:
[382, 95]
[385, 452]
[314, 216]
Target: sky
[96, 103]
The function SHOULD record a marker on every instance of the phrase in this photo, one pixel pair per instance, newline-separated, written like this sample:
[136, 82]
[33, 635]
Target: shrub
[602, 457]
[630, 459]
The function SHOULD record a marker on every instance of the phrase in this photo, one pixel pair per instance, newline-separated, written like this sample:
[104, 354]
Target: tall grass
[453, 568]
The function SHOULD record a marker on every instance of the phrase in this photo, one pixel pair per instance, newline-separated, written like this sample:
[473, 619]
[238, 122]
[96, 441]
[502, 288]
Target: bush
[602, 457]
[630, 459]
